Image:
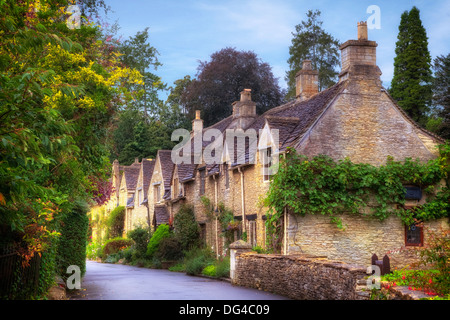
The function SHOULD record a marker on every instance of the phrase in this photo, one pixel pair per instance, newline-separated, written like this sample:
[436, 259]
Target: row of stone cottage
[355, 118]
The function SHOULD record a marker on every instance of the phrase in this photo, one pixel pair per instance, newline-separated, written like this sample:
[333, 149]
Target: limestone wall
[361, 238]
[301, 277]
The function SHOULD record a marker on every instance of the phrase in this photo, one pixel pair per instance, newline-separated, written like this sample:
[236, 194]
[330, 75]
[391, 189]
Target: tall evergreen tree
[312, 42]
[411, 83]
[441, 93]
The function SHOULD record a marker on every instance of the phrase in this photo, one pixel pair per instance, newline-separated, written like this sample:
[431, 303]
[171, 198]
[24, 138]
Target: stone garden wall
[301, 277]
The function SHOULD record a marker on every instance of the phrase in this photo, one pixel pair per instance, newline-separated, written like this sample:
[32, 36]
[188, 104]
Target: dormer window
[157, 193]
[266, 162]
[140, 198]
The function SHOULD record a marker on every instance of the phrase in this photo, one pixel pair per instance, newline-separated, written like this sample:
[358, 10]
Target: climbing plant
[321, 185]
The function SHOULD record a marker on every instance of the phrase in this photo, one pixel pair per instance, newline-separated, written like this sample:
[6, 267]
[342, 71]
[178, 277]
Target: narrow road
[122, 282]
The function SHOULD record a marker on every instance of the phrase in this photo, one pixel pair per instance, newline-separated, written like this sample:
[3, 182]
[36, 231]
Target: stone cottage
[356, 119]
[140, 215]
[159, 189]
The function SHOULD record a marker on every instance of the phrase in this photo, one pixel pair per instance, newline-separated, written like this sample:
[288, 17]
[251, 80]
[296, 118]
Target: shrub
[115, 245]
[179, 267]
[141, 237]
[186, 228]
[220, 268]
[169, 249]
[223, 268]
[161, 232]
[73, 240]
[197, 259]
[116, 223]
[209, 270]
[93, 250]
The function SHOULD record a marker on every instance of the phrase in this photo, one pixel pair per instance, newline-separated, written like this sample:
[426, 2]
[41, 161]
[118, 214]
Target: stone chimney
[359, 57]
[197, 123]
[245, 109]
[306, 81]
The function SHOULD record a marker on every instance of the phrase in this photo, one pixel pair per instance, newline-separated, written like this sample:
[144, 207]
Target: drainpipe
[285, 232]
[242, 199]
[215, 208]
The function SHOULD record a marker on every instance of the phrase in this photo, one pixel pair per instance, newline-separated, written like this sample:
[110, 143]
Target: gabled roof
[131, 175]
[307, 112]
[167, 166]
[147, 171]
[186, 171]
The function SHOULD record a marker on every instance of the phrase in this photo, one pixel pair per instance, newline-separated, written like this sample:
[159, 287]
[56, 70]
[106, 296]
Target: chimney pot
[246, 95]
[197, 123]
[362, 31]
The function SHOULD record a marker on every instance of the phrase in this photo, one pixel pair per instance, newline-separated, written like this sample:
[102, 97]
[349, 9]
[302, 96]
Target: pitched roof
[167, 166]
[307, 112]
[147, 171]
[131, 174]
[186, 171]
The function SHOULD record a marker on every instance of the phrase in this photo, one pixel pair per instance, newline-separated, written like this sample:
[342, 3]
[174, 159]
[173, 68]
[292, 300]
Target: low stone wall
[301, 277]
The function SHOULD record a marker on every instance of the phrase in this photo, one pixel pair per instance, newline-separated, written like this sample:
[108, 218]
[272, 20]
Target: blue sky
[185, 32]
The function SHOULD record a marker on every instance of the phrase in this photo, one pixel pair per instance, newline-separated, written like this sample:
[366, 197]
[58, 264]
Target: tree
[411, 83]
[145, 124]
[60, 89]
[137, 53]
[219, 82]
[311, 42]
[441, 93]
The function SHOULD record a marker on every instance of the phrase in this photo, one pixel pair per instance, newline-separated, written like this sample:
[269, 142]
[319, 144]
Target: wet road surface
[104, 281]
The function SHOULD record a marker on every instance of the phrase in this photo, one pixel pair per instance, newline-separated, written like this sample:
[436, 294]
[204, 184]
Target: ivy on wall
[320, 185]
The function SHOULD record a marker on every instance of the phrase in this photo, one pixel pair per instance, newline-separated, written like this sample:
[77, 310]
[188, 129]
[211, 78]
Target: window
[158, 193]
[202, 181]
[140, 197]
[176, 191]
[227, 175]
[413, 235]
[267, 162]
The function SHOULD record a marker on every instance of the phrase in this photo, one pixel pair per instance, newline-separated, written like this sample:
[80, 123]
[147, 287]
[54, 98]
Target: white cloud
[254, 22]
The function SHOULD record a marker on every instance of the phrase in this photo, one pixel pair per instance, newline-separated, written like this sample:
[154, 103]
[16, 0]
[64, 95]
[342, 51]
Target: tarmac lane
[104, 281]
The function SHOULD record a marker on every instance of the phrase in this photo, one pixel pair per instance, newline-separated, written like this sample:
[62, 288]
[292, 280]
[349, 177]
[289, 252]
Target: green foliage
[60, 89]
[115, 245]
[93, 250]
[73, 240]
[436, 253]
[116, 222]
[209, 270]
[141, 237]
[411, 83]
[311, 42]
[441, 94]
[322, 186]
[169, 249]
[161, 232]
[222, 267]
[186, 228]
[197, 259]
